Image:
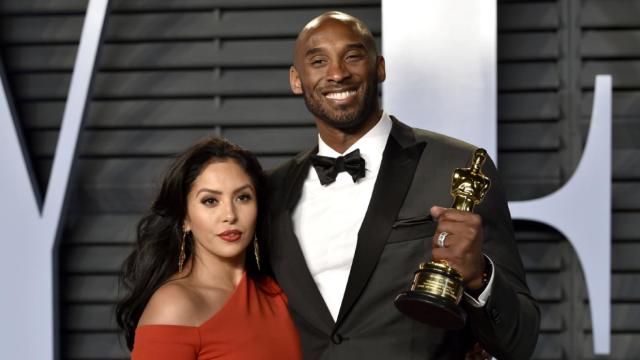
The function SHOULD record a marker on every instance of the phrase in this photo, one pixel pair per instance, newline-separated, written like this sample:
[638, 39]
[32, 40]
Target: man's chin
[348, 123]
[348, 119]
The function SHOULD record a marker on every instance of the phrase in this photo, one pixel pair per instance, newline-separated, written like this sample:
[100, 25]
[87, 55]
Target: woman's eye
[209, 201]
[244, 197]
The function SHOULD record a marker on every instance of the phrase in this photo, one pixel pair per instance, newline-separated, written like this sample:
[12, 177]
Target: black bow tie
[328, 168]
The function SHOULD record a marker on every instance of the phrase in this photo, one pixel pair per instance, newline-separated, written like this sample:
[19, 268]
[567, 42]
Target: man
[347, 239]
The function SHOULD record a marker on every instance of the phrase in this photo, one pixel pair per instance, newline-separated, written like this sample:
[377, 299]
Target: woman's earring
[181, 255]
[256, 250]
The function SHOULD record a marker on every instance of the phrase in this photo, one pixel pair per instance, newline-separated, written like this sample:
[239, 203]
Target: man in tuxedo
[353, 217]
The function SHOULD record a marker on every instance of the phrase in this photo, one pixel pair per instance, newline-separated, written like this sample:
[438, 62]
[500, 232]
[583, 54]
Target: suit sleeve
[508, 325]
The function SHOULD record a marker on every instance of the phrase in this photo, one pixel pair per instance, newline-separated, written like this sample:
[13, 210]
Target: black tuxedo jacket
[394, 238]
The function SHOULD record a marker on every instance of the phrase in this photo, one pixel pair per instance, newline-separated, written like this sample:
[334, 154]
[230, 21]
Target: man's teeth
[340, 95]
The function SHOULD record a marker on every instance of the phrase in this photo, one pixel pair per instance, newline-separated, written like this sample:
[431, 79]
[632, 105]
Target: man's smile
[341, 95]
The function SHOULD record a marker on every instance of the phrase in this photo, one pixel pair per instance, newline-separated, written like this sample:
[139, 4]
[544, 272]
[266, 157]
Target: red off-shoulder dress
[253, 324]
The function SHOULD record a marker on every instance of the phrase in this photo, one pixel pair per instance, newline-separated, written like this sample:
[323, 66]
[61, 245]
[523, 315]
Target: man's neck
[339, 140]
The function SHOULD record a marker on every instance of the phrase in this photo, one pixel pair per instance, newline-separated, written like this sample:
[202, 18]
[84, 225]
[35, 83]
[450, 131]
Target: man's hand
[462, 246]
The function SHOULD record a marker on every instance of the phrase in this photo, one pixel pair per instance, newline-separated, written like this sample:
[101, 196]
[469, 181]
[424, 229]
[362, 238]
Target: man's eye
[316, 62]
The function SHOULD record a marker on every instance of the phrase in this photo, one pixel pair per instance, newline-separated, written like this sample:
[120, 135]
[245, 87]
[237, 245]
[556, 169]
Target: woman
[196, 278]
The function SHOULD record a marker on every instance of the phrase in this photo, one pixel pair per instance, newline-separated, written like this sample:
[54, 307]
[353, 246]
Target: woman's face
[221, 211]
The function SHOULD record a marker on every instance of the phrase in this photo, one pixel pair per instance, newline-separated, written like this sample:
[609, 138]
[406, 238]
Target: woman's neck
[220, 273]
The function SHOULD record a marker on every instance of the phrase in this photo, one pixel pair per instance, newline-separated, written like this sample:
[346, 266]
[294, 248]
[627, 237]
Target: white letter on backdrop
[442, 65]
[29, 232]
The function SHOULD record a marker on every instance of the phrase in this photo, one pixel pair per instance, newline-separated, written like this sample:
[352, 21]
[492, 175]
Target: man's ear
[294, 80]
[380, 68]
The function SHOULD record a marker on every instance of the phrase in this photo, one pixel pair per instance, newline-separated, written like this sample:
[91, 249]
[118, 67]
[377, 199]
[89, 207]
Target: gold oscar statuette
[437, 289]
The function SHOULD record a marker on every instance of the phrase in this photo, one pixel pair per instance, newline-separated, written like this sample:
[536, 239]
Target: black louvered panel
[173, 71]
[102, 229]
[529, 105]
[94, 345]
[174, 26]
[123, 6]
[89, 317]
[623, 346]
[532, 149]
[154, 113]
[606, 14]
[162, 55]
[166, 142]
[548, 261]
[618, 43]
[609, 44]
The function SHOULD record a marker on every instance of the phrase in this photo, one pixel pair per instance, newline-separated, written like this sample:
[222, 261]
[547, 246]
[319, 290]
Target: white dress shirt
[327, 219]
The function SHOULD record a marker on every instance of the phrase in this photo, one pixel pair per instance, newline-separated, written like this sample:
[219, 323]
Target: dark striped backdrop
[172, 71]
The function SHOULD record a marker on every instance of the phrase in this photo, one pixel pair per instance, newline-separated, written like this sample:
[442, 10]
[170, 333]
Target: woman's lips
[230, 235]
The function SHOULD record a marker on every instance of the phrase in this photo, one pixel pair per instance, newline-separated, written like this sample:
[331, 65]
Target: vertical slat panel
[173, 71]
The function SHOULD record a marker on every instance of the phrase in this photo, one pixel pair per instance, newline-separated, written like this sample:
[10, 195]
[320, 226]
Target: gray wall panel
[610, 43]
[101, 229]
[625, 287]
[528, 16]
[522, 76]
[529, 106]
[153, 113]
[542, 257]
[541, 45]
[166, 142]
[173, 71]
[93, 346]
[47, 6]
[91, 317]
[626, 73]
[185, 25]
[610, 13]
[528, 137]
[91, 289]
[94, 259]
[159, 84]
[625, 226]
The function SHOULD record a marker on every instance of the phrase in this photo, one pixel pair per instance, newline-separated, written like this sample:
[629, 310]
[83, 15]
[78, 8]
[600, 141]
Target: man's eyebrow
[351, 46]
[312, 51]
[357, 45]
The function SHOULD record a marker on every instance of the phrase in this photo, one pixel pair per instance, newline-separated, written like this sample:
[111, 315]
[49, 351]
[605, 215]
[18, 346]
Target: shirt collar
[371, 144]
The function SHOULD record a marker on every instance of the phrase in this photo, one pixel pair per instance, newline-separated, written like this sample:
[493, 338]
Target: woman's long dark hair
[155, 256]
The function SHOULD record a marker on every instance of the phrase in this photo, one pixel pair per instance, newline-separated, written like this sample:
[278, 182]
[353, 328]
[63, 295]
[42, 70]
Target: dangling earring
[256, 250]
[181, 255]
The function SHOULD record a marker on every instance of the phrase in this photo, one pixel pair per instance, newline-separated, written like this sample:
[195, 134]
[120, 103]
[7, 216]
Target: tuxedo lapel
[293, 270]
[399, 161]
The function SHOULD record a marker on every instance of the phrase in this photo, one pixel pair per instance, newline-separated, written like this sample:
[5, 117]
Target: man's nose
[338, 71]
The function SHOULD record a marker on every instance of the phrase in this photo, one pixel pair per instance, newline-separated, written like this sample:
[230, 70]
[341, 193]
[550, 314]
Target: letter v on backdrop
[442, 57]
[30, 226]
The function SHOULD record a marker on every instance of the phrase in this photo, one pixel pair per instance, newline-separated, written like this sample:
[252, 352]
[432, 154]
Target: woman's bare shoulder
[177, 303]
